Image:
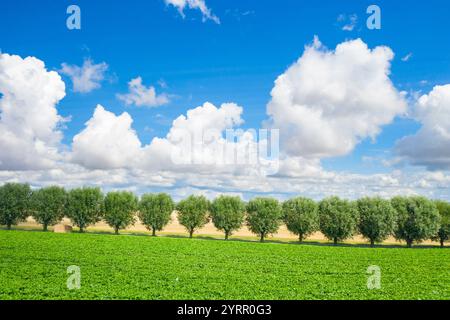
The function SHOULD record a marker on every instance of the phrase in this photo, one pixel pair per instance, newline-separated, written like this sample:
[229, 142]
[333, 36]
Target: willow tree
[48, 205]
[228, 213]
[14, 204]
[377, 219]
[338, 219]
[120, 210]
[155, 211]
[417, 219]
[84, 207]
[264, 216]
[193, 213]
[301, 216]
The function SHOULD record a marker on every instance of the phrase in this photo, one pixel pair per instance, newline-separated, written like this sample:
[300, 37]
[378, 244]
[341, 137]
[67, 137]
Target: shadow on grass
[310, 243]
[235, 239]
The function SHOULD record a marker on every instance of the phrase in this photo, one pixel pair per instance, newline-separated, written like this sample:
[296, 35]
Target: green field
[33, 265]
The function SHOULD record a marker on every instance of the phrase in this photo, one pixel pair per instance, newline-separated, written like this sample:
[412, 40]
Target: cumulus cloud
[107, 142]
[29, 121]
[86, 78]
[196, 5]
[195, 140]
[347, 92]
[430, 147]
[330, 100]
[204, 141]
[209, 116]
[142, 96]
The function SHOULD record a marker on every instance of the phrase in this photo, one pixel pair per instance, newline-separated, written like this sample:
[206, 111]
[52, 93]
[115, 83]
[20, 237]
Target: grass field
[33, 265]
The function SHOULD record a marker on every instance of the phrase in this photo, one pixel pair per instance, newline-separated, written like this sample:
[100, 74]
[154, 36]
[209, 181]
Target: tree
[84, 207]
[264, 216]
[14, 203]
[301, 217]
[120, 208]
[338, 219]
[228, 214]
[155, 211]
[193, 213]
[443, 234]
[48, 205]
[377, 219]
[417, 219]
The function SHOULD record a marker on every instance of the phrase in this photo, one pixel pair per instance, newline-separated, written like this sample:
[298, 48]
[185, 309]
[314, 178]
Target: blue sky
[193, 60]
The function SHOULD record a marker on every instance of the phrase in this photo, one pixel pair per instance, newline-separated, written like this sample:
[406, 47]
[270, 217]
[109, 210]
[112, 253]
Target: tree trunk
[154, 232]
[8, 226]
[300, 238]
[335, 241]
[227, 235]
[81, 230]
[372, 243]
[262, 238]
[191, 234]
[116, 230]
[442, 243]
[45, 227]
[409, 243]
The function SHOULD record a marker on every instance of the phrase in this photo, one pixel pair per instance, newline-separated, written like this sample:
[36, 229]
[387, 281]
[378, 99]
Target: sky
[357, 111]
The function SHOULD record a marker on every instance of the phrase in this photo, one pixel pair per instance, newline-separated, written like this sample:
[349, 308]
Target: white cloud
[180, 184]
[29, 121]
[209, 116]
[194, 141]
[329, 101]
[108, 153]
[86, 78]
[430, 147]
[107, 142]
[194, 4]
[407, 57]
[142, 96]
[348, 22]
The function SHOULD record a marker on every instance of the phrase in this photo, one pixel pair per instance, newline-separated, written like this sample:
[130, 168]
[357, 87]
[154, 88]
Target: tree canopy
[193, 213]
[418, 219]
[48, 205]
[155, 211]
[338, 218]
[14, 203]
[228, 214]
[301, 216]
[264, 216]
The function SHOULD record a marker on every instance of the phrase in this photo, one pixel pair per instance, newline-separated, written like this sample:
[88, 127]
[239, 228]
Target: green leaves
[301, 217]
[34, 266]
[443, 234]
[120, 209]
[264, 216]
[155, 211]
[228, 214]
[48, 205]
[418, 219]
[85, 207]
[412, 219]
[193, 213]
[338, 218]
[377, 219]
[14, 203]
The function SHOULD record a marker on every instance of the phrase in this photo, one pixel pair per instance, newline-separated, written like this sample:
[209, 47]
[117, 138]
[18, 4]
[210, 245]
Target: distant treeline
[410, 219]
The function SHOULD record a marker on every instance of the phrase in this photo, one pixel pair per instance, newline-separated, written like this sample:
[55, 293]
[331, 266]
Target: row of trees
[411, 219]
